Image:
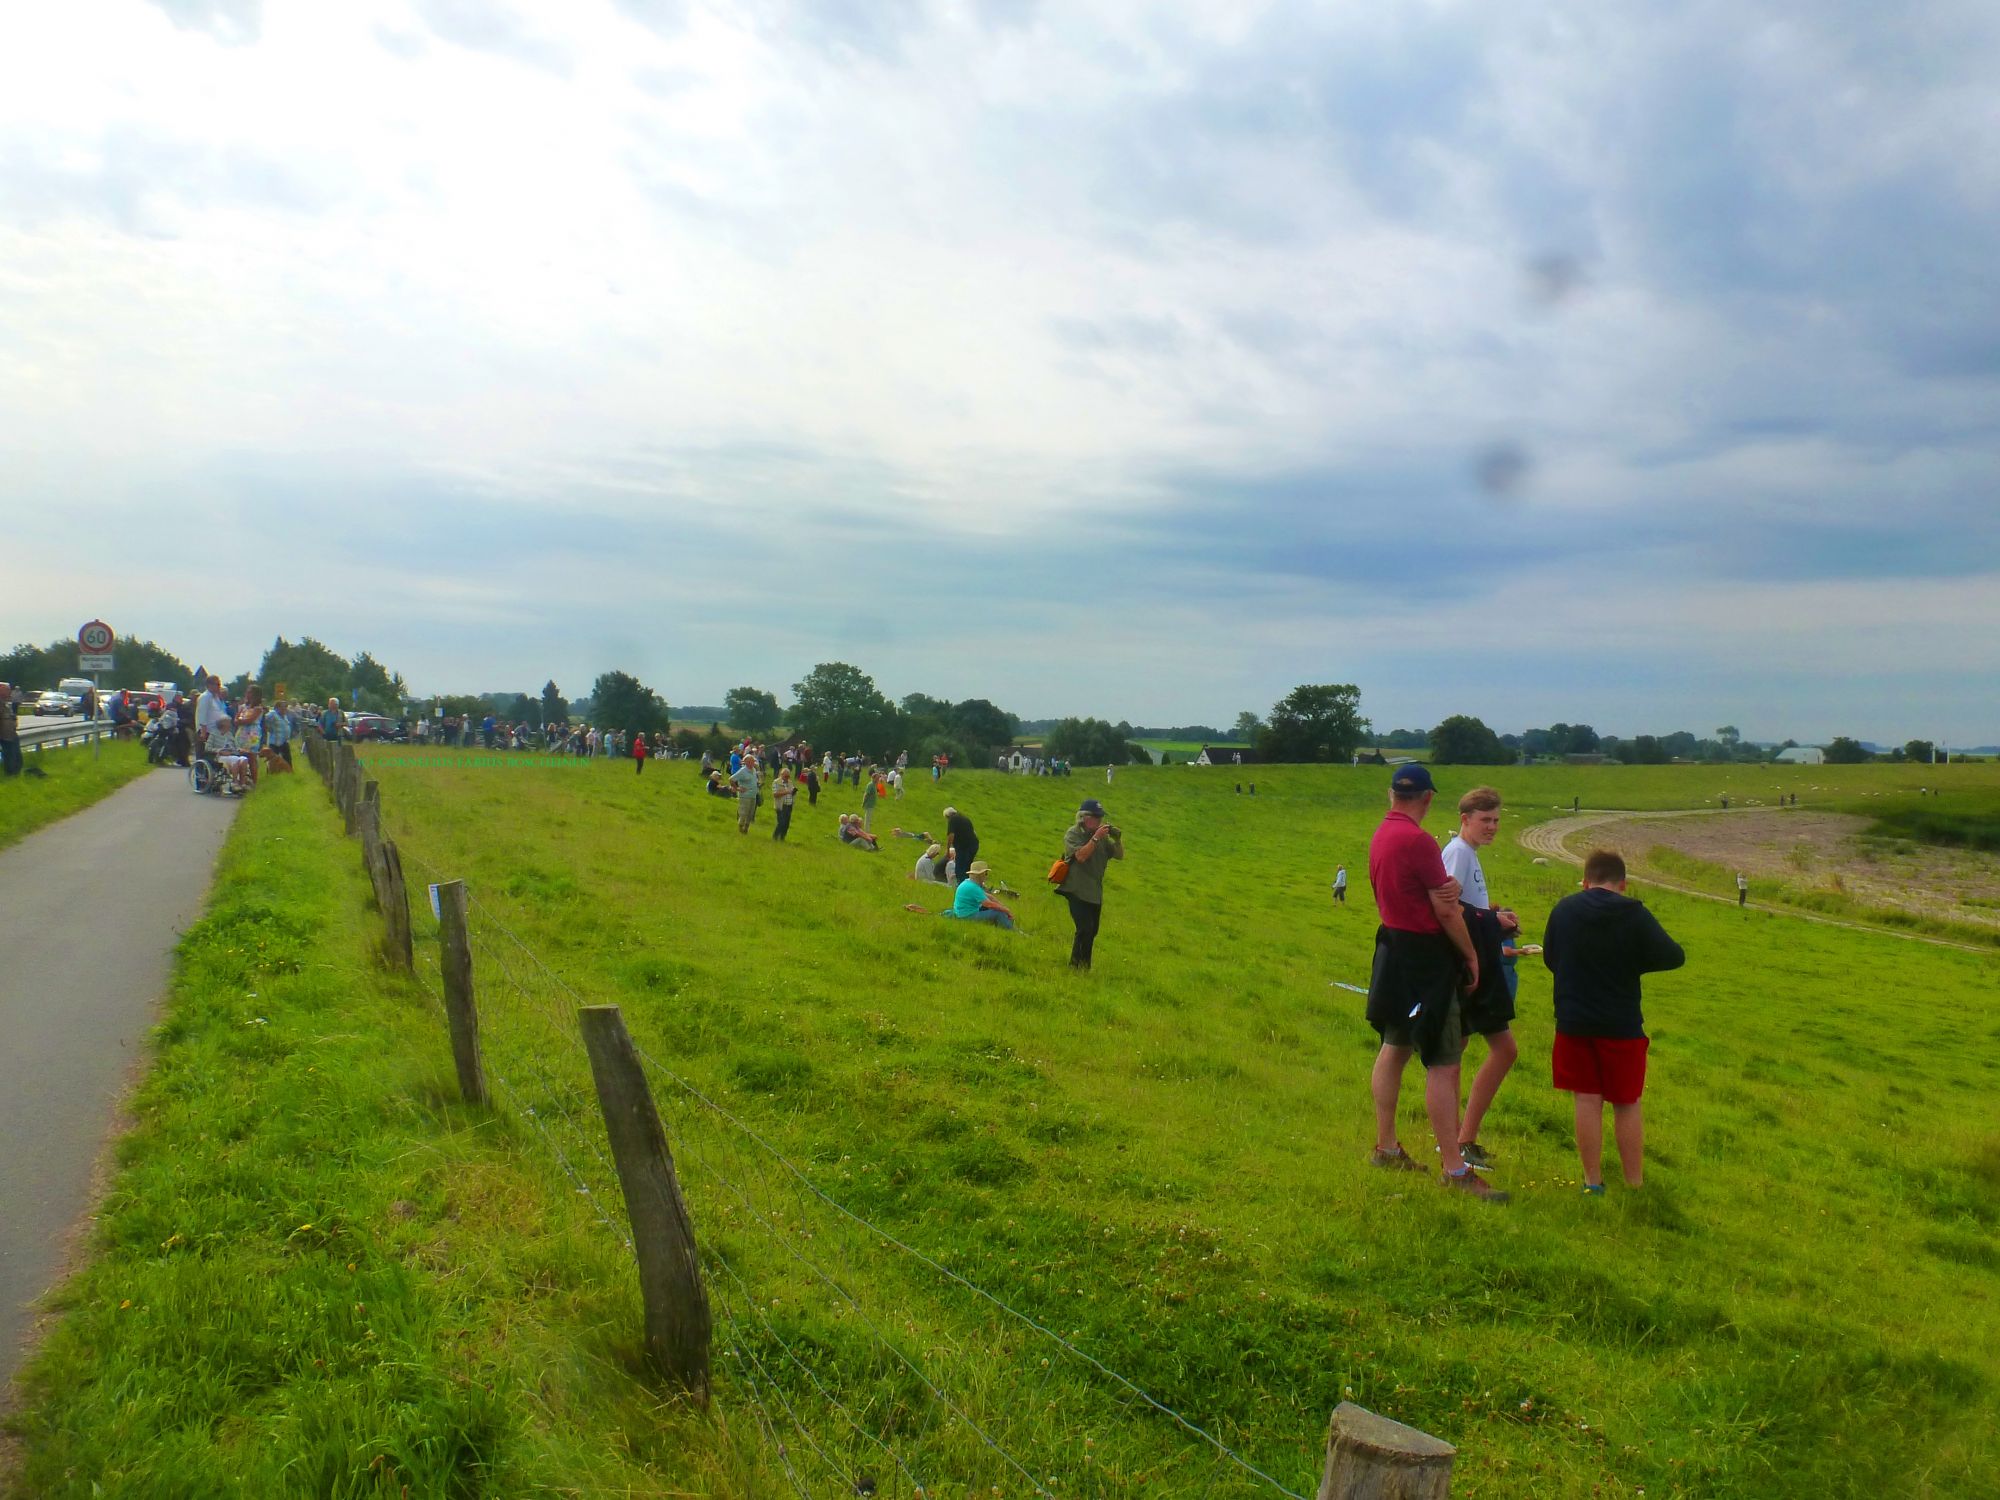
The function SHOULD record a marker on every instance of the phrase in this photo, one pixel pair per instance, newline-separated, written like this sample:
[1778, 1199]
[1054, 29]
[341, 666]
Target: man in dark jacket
[1599, 941]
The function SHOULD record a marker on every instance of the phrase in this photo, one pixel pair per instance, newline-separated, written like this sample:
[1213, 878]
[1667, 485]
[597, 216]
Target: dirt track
[1551, 840]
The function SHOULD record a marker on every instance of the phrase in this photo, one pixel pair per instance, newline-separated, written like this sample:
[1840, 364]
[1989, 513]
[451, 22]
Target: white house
[1802, 755]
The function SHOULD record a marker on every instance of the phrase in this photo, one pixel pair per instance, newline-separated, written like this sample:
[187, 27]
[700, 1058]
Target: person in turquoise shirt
[972, 902]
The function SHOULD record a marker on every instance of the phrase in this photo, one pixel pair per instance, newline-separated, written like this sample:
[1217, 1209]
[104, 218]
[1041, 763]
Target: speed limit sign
[96, 638]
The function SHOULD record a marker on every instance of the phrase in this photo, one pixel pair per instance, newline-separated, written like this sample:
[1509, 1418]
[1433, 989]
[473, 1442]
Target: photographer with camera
[1087, 845]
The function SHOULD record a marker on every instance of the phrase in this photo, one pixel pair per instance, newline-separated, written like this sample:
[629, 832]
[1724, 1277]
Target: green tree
[839, 708]
[1316, 722]
[751, 710]
[1842, 751]
[1247, 725]
[310, 672]
[1645, 750]
[621, 701]
[1462, 740]
[1091, 742]
[1919, 750]
[1730, 736]
[981, 727]
[555, 709]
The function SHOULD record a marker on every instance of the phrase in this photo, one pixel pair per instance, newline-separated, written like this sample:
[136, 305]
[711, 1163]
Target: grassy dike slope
[316, 1274]
[319, 1276]
[1166, 1156]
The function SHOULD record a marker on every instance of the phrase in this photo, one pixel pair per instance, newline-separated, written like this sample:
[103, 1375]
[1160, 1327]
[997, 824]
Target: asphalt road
[90, 910]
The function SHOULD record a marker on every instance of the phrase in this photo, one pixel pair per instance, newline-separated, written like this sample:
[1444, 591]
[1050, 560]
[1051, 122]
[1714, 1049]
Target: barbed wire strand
[882, 1338]
[972, 1286]
[741, 1349]
[813, 1188]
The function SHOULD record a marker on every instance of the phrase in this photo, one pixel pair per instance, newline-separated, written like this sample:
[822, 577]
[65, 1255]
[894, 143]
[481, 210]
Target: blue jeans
[998, 919]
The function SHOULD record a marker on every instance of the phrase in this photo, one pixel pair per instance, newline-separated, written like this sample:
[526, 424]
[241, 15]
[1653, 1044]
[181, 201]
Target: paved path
[90, 910]
[1550, 838]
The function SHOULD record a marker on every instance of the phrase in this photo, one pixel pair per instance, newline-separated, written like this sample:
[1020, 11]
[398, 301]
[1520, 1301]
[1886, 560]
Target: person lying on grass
[974, 902]
[1599, 941]
[904, 833]
[852, 832]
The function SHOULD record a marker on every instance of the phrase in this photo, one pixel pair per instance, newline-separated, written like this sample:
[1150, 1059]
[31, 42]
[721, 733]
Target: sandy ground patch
[1823, 851]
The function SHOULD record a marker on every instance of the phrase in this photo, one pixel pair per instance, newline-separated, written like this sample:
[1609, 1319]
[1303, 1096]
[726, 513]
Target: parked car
[55, 702]
[370, 726]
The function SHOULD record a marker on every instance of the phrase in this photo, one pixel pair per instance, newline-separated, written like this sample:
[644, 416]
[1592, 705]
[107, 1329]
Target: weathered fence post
[368, 824]
[394, 899]
[1373, 1458]
[349, 788]
[461, 1009]
[677, 1315]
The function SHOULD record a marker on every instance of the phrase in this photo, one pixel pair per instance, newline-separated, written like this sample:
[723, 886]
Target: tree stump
[1373, 1458]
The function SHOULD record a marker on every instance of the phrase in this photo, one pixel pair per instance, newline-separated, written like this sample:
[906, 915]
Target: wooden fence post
[1373, 1458]
[461, 1009]
[394, 899]
[349, 788]
[677, 1317]
[368, 824]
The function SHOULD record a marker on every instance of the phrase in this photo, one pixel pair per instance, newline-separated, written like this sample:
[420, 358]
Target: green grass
[71, 779]
[1162, 1159]
[1940, 823]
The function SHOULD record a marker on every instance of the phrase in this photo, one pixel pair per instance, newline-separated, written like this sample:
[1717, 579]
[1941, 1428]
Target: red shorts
[1614, 1066]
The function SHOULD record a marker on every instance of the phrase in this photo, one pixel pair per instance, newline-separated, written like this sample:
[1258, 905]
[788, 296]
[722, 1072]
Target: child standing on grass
[1599, 942]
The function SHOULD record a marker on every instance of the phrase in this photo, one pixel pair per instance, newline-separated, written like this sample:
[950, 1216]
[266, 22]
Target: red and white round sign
[96, 638]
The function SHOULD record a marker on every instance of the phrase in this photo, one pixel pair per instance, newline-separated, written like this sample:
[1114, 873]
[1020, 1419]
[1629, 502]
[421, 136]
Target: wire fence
[868, 1365]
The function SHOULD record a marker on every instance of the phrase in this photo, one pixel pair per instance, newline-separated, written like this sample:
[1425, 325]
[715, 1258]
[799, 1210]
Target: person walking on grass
[868, 798]
[1598, 943]
[784, 791]
[1742, 889]
[1423, 959]
[1340, 885]
[1490, 1013]
[1087, 845]
[745, 781]
[639, 753]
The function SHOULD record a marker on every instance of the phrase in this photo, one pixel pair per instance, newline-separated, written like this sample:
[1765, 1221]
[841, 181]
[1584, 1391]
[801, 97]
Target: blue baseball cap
[1412, 780]
[1091, 807]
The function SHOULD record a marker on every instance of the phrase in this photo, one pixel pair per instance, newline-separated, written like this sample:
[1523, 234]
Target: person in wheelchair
[225, 748]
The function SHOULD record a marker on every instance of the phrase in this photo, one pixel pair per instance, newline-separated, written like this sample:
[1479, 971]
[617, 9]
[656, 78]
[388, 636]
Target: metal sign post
[93, 655]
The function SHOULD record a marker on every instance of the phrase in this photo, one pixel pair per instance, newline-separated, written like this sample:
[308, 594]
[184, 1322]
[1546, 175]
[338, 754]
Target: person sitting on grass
[928, 865]
[973, 902]
[1599, 941]
[851, 832]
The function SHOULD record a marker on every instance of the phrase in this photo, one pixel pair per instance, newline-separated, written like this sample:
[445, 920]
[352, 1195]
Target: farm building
[1224, 755]
[1801, 755]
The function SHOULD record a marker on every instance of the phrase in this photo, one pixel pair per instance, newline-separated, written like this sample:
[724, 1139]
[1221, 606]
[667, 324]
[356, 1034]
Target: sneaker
[1398, 1160]
[1469, 1181]
[1593, 1190]
[1475, 1155]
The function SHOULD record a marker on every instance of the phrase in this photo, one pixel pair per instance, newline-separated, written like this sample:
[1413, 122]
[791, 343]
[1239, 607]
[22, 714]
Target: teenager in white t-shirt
[1478, 826]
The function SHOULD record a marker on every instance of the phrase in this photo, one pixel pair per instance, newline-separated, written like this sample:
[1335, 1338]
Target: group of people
[1443, 972]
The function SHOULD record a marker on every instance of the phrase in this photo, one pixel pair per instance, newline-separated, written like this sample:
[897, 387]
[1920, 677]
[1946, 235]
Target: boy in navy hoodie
[1599, 941]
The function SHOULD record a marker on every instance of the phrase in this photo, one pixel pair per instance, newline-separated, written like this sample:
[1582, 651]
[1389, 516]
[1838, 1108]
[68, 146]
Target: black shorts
[1413, 995]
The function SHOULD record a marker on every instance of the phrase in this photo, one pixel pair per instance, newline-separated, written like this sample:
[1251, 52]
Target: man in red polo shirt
[1423, 955]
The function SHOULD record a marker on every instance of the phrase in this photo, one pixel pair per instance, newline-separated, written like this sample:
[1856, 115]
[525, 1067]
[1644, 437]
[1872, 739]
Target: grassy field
[71, 779]
[1162, 1161]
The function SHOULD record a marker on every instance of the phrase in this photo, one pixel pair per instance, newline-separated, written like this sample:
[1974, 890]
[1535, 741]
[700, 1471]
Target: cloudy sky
[1592, 361]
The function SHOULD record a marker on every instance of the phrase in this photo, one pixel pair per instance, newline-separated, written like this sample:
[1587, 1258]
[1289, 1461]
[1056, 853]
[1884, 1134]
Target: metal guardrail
[81, 731]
